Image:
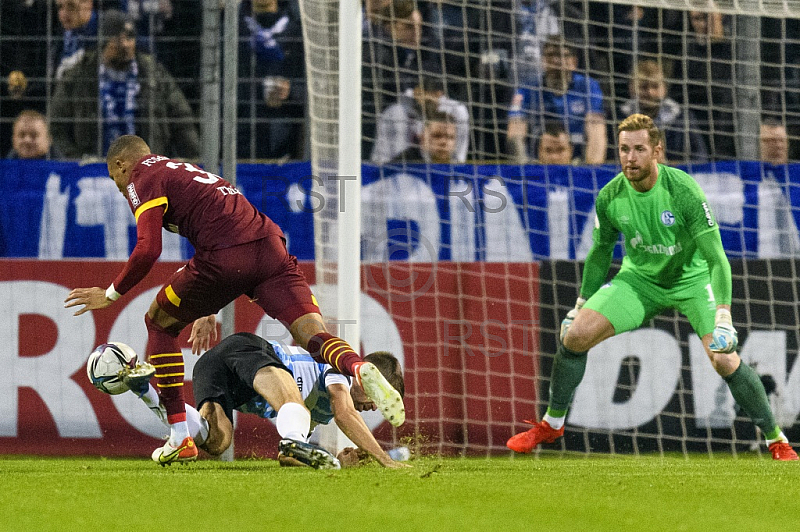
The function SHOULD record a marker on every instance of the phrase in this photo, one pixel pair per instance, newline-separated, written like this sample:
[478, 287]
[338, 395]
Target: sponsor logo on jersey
[667, 218]
[654, 249]
[300, 383]
[709, 216]
[624, 219]
[133, 195]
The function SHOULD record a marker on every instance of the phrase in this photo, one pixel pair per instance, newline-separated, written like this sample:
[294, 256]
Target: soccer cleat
[782, 451]
[525, 442]
[167, 455]
[138, 378]
[385, 397]
[308, 454]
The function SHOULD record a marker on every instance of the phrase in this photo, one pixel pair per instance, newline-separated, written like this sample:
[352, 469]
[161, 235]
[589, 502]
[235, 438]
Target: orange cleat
[167, 455]
[782, 451]
[525, 442]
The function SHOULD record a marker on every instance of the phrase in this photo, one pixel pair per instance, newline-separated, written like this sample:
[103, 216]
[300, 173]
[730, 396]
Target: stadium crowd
[96, 69]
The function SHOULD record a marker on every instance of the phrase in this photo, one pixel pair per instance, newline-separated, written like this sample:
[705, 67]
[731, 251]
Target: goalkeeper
[673, 259]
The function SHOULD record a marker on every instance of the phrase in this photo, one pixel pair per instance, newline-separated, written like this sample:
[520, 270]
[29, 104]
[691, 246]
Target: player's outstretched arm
[351, 423]
[91, 298]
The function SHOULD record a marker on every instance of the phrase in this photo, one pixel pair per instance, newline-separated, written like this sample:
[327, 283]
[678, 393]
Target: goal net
[471, 250]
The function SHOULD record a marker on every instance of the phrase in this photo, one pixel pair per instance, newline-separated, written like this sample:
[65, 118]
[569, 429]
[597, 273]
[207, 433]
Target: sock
[178, 432]
[568, 370]
[150, 397]
[152, 400]
[780, 436]
[293, 422]
[165, 354]
[330, 349]
[197, 425]
[749, 393]
[555, 422]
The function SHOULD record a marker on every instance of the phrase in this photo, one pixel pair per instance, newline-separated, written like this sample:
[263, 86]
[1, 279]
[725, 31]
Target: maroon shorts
[262, 270]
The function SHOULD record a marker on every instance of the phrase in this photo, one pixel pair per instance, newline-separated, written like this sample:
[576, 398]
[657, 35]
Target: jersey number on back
[209, 178]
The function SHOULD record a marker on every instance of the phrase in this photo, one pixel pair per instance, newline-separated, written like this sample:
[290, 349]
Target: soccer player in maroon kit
[238, 250]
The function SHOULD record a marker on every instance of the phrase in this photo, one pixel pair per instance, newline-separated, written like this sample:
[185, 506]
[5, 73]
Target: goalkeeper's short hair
[390, 368]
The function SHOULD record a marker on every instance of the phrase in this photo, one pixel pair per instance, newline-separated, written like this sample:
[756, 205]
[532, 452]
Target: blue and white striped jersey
[312, 378]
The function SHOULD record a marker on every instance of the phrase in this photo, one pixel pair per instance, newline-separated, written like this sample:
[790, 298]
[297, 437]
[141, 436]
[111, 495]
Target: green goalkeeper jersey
[661, 228]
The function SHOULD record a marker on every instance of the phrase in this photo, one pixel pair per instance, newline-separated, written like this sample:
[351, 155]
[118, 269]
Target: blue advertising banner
[495, 213]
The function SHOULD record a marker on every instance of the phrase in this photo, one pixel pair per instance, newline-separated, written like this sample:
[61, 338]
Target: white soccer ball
[105, 366]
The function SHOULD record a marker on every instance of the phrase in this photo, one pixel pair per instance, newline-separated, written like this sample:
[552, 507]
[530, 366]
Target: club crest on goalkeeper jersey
[206, 209]
[312, 378]
[659, 226]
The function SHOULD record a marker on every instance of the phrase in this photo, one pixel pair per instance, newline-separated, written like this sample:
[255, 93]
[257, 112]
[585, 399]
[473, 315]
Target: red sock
[165, 354]
[325, 347]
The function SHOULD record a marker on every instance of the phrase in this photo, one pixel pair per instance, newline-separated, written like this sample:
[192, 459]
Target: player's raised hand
[571, 315]
[725, 339]
[204, 330]
[91, 298]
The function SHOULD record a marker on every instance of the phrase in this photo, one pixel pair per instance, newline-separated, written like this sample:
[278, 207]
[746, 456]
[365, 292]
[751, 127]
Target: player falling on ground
[238, 250]
[673, 259]
[246, 373]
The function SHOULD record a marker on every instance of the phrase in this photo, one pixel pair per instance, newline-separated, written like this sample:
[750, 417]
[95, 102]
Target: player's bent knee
[577, 341]
[220, 429]
[724, 363]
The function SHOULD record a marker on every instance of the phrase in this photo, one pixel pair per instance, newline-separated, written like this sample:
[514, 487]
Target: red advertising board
[467, 334]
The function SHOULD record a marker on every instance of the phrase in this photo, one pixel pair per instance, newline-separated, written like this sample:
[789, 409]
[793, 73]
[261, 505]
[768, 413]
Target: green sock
[749, 393]
[568, 370]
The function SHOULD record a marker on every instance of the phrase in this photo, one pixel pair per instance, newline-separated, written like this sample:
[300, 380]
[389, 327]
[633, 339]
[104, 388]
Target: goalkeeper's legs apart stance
[617, 309]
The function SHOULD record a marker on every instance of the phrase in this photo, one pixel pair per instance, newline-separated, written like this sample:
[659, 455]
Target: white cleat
[308, 454]
[385, 397]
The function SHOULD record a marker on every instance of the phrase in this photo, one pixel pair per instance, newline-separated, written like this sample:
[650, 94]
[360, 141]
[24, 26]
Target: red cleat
[525, 442]
[782, 451]
[167, 455]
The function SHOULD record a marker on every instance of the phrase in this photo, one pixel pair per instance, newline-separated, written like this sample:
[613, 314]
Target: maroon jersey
[206, 209]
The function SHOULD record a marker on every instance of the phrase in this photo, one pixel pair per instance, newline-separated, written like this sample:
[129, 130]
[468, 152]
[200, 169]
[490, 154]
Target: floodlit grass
[520, 493]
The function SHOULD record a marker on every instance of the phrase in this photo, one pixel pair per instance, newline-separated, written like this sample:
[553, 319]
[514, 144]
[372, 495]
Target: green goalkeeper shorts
[628, 301]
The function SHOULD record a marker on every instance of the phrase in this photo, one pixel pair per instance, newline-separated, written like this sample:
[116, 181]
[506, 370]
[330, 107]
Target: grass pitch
[520, 493]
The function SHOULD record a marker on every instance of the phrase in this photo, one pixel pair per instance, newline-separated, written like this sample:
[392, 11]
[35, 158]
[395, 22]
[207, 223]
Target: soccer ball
[105, 366]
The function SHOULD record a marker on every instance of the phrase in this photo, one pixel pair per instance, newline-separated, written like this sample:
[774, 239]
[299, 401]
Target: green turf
[521, 493]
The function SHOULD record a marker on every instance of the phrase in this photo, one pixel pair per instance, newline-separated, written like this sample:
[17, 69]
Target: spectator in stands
[395, 52]
[437, 142]
[79, 20]
[626, 32]
[171, 30]
[401, 124]
[136, 96]
[774, 142]
[272, 92]
[562, 95]
[554, 146]
[536, 21]
[31, 138]
[23, 62]
[682, 137]
[707, 74]
[447, 23]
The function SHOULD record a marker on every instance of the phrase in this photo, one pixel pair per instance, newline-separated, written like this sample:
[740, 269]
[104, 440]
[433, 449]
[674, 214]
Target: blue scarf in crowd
[119, 91]
[75, 43]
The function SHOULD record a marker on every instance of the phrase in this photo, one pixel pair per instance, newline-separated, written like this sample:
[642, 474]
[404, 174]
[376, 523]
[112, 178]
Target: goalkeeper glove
[571, 317]
[725, 339]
